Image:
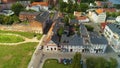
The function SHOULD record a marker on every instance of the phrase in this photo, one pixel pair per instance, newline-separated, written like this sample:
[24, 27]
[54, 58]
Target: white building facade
[112, 33]
[97, 18]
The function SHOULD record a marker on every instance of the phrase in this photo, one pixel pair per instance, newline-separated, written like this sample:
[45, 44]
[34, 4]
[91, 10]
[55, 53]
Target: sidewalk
[36, 56]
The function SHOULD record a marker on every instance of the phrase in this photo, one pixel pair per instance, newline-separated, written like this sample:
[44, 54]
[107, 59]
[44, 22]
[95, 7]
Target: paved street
[59, 55]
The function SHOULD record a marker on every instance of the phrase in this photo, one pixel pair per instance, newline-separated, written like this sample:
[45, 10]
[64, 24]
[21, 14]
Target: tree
[66, 20]
[17, 8]
[2, 19]
[60, 31]
[89, 28]
[101, 63]
[90, 62]
[117, 6]
[76, 61]
[83, 7]
[113, 63]
[15, 19]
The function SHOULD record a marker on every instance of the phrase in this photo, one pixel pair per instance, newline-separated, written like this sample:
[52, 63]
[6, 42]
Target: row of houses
[86, 42]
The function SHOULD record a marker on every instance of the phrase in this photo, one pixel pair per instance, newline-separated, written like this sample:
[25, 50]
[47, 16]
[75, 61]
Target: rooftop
[101, 10]
[29, 13]
[83, 30]
[74, 40]
[114, 27]
[40, 3]
[96, 39]
[81, 18]
[42, 17]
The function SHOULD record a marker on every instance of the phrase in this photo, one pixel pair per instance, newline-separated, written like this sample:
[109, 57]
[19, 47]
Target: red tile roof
[40, 3]
[81, 18]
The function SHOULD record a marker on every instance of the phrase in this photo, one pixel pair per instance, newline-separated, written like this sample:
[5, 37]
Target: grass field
[26, 34]
[52, 63]
[10, 39]
[16, 56]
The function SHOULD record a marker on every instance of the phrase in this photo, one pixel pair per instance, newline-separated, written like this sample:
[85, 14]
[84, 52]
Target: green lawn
[52, 63]
[26, 34]
[16, 56]
[10, 39]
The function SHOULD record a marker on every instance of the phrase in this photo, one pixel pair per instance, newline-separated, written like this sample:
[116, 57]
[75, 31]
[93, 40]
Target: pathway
[25, 38]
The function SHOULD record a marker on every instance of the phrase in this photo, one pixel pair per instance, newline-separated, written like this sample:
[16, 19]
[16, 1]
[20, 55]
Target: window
[54, 48]
[51, 49]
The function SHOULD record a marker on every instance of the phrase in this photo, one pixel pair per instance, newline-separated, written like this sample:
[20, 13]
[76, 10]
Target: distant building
[118, 19]
[35, 8]
[7, 1]
[82, 19]
[112, 33]
[37, 25]
[43, 5]
[6, 12]
[111, 20]
[103, 3]
[42, 19]
[98, 16]
[28, 16]
[38, 6]
[77, 14]
[24, 3]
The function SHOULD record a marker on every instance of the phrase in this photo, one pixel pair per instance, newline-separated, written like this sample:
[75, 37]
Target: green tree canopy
[76, 60]
[60, 31]
[101, 63]
[17, 8]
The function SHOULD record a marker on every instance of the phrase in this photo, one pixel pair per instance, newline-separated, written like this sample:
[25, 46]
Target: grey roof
[42, 17]
[73, 21]
[74, 40]
[83, 30]
[29, 13]
[99, 40]
[111, 18]
[55, 39]
[24, 3]
[114, 27]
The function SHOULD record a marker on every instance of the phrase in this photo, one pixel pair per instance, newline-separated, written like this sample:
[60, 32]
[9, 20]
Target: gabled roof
[114, 27]
[96, 39]
[99, 40]
[40, 3]
[74, 40]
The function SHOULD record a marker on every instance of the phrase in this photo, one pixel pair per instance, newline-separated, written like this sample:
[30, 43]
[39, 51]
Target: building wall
[23, 17]
[95, 48]
[50, 48]
[101, 18]
[98, 18]
[37, 27]
[68, 48]
[112, 38]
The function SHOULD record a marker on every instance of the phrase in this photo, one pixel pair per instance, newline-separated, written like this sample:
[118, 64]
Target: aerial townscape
[59, 33]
